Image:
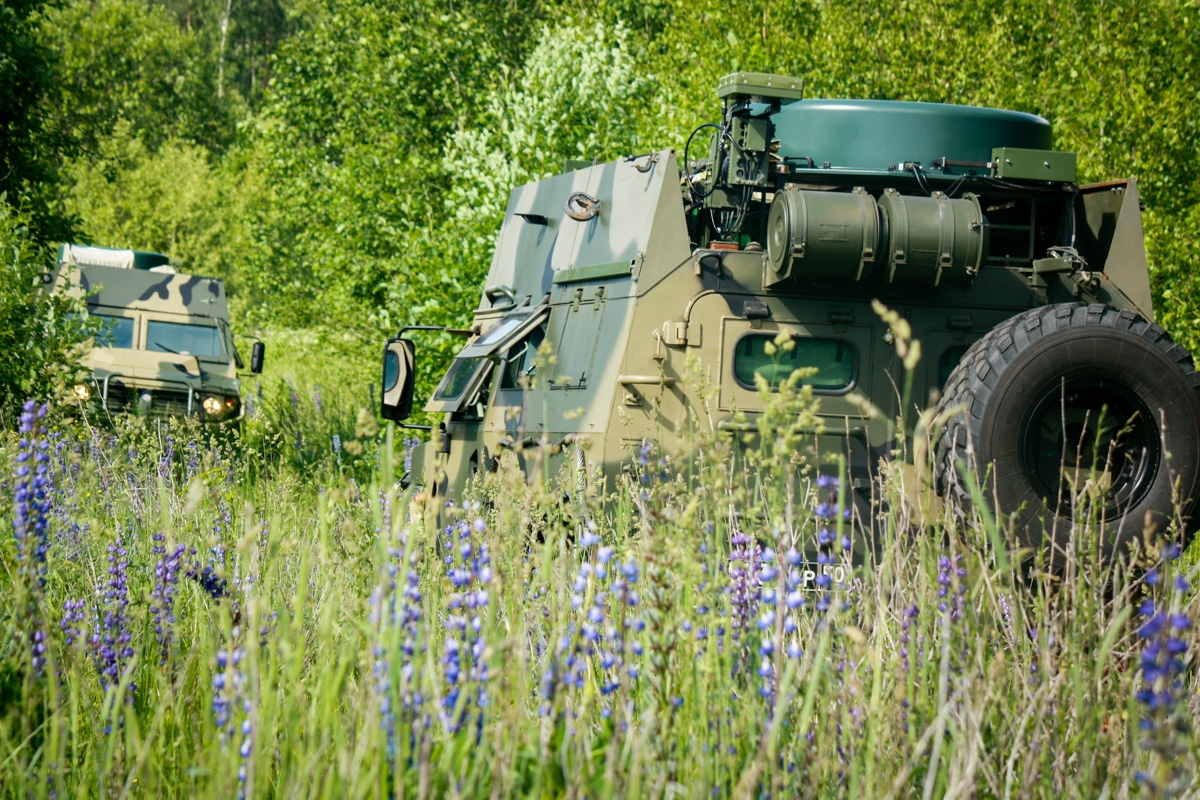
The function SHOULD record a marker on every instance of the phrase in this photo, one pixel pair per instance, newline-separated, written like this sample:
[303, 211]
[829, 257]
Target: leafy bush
[39, 332]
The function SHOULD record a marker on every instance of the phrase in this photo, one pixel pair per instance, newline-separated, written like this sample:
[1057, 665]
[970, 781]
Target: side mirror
[257, 352]
[399, 378]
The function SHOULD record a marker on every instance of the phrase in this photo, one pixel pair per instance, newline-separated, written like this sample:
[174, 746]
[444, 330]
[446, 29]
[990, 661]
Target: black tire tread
[973, 380]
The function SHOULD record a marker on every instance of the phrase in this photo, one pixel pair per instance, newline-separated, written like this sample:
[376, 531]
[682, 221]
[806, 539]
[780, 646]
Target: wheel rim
[1091, 441]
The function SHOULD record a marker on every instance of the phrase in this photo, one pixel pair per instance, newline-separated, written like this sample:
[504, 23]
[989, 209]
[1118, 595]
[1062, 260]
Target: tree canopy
[343, 164]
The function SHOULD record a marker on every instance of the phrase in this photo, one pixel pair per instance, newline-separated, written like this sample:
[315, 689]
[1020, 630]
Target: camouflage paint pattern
[174, 383]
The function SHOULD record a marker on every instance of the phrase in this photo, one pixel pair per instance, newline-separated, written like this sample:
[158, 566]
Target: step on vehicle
[165, 346]
[1029, 293]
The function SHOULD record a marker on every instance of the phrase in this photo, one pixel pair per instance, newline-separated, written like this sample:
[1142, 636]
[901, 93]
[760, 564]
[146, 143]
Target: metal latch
[756, 311]
[681, 333]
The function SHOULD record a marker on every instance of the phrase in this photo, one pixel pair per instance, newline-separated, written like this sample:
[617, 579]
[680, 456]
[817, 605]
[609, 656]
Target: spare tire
[1074, 408]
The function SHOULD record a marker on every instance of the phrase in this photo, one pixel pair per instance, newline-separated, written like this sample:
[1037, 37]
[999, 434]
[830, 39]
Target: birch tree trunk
[221, 52]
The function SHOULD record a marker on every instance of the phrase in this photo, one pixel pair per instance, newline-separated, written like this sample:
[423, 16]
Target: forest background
[344, 164]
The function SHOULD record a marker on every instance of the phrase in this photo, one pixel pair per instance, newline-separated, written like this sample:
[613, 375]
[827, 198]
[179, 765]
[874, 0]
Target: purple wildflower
[162, 598]
[31, 506]
[396, 611]
[1164, 718]
[463, 663]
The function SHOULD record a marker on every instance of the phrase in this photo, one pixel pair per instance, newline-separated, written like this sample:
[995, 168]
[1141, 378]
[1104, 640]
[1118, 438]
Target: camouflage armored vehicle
[1029, 293]
[165, 347]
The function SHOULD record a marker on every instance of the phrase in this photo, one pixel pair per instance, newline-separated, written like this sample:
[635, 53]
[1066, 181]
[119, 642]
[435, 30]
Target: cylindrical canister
[934, 240]
[817, 235]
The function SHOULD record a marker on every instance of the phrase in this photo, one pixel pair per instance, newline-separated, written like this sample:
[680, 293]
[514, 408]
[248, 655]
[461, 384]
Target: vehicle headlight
[217, 407]
[83, 392]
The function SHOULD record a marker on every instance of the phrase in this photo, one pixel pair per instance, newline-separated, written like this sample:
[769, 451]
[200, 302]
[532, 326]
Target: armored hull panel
[876, 136]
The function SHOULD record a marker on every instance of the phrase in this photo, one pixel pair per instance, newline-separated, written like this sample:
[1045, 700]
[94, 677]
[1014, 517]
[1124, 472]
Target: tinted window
[834, 359]
[202, 341]
[458, 377]
[518, 361]
[114, 331]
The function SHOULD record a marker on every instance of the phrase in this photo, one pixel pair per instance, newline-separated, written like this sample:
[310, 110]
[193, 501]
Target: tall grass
[249, 620]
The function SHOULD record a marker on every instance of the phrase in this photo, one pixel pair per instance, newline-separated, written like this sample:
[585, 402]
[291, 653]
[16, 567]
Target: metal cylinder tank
[934, 240]
[821, 235]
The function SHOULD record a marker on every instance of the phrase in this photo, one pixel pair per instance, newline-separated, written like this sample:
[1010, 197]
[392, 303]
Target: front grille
[163, 402]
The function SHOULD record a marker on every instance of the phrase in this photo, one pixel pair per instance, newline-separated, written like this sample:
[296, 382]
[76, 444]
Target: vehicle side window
[114, 331]
[458, 377]
[836, 361]
[520, 359]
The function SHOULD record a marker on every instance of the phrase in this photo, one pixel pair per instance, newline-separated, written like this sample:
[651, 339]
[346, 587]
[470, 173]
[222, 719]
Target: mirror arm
[455, 331]
[407, 426]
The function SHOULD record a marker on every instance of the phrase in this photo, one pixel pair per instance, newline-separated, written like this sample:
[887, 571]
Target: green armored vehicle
[165, 347]
[1029, 294]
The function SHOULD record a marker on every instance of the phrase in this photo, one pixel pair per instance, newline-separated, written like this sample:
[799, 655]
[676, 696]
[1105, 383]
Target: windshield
[114, 331]
[202, 341]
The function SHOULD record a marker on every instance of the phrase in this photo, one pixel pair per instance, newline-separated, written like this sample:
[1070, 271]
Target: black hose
[687, 165]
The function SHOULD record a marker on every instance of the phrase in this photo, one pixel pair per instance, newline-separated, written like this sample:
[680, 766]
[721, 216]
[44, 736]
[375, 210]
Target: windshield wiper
[162, 346]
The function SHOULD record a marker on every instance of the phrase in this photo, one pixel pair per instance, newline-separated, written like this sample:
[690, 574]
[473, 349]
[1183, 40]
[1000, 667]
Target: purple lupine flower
[30, 511]
[336, 442]
[115, 624]
[1006, 615]
[644, 452]
[72, 623]
[227, 683]
[208, 577]
[951, 586]
[193, 465]
[396, 610]
[162, 598]
[599, 634]
[410, 444]
[111, 641]
[745, 592]
[318, 403]
[233, 712]
[463, 662]
[1165, 720]
[166, 457]
[245, 749]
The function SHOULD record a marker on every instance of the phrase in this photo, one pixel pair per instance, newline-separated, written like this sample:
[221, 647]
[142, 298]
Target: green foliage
[344, 164]
[127, 60]
[168, 200]
[39, 333]
[349, 142]
[251, 31]
[579, 95]
[29, 151]
[315, 423]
